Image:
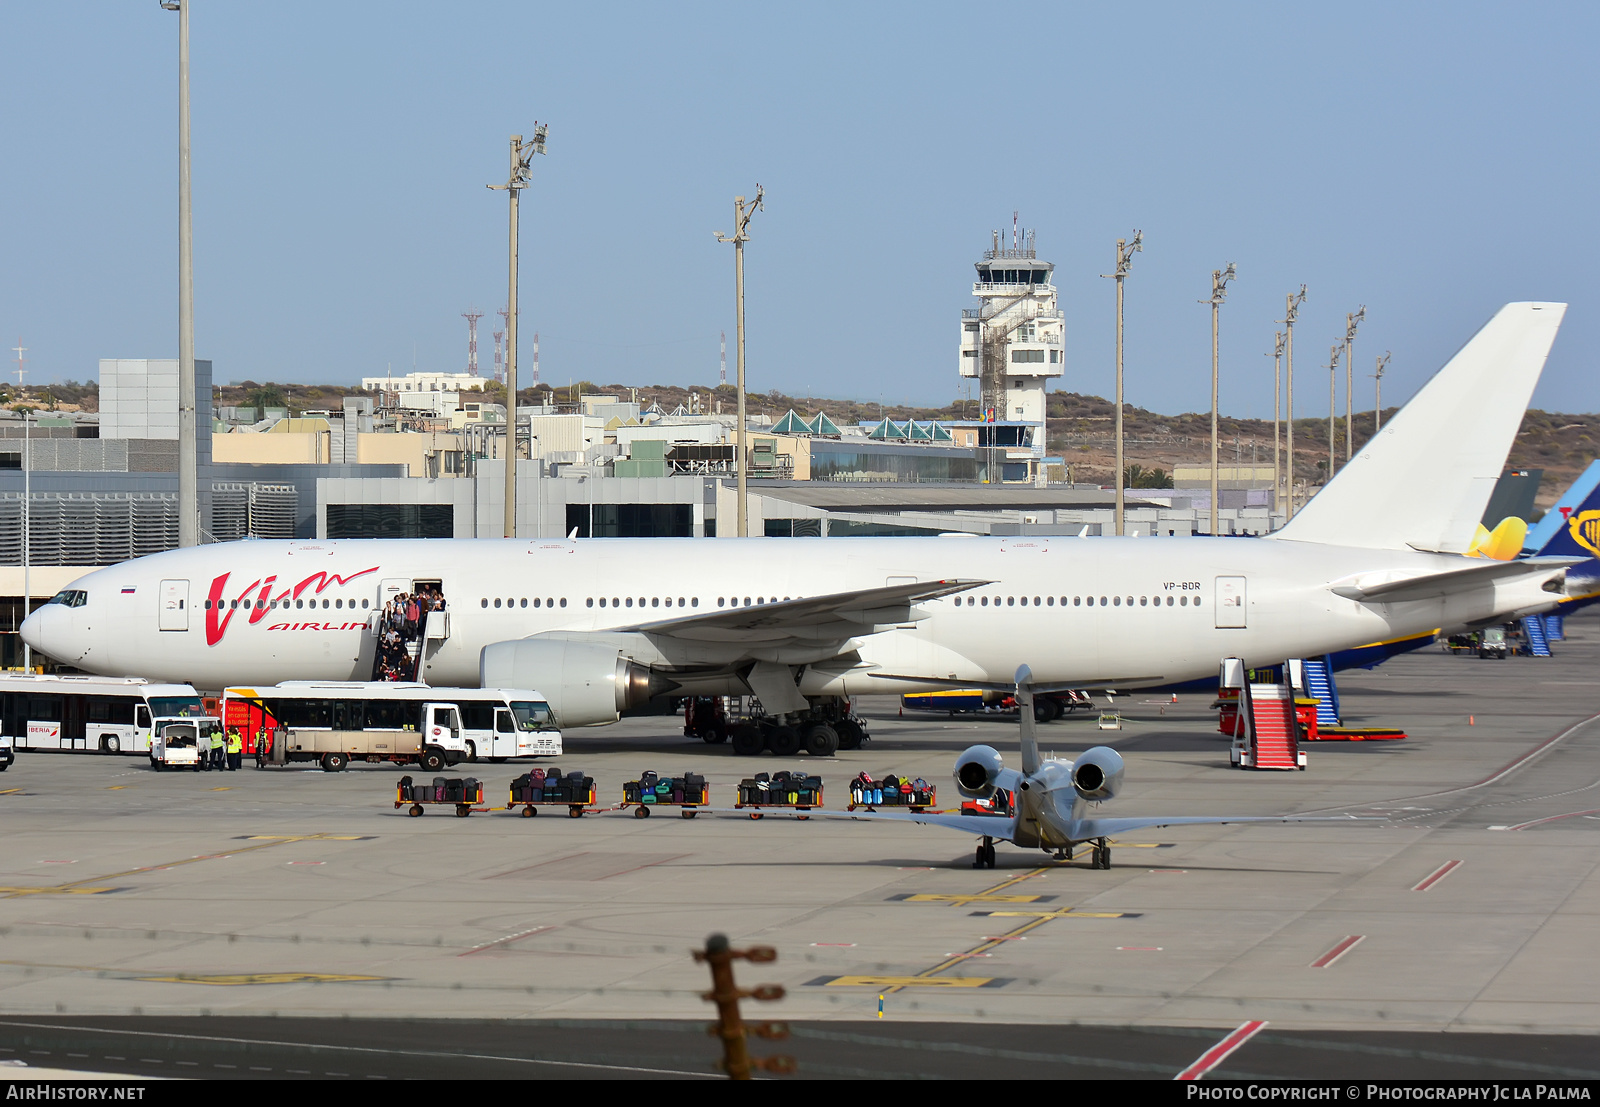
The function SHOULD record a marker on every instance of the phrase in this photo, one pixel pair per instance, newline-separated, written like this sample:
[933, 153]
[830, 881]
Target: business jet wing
[1003, 827]
[1083, 830]
[832, 615]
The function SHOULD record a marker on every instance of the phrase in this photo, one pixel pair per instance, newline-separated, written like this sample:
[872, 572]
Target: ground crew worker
[217, 746]
[235, 750]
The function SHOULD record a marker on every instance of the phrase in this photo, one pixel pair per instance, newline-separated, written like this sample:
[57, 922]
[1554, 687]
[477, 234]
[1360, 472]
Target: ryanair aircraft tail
[1577, 534]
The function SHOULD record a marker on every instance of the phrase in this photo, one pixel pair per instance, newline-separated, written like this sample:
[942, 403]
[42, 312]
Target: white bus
[335, 722]
[86, 713]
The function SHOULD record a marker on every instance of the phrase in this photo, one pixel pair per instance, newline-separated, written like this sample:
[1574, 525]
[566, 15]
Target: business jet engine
[585, 684]
[1097, 773]
[976, 771]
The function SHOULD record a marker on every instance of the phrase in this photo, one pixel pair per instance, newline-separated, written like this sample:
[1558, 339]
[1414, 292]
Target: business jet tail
[1450, 440]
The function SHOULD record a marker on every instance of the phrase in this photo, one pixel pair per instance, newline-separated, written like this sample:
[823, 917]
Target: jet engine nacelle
[585, 684]
[976, 770]
[1097, 774]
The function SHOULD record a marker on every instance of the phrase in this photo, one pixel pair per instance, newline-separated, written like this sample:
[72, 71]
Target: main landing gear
[985, 856]
[1100, 857]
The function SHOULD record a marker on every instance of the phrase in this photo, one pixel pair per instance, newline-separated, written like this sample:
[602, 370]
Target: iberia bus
[336, 722]
[90, 714]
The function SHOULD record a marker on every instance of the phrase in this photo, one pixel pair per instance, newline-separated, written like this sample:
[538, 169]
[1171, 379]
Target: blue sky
[1431, 161]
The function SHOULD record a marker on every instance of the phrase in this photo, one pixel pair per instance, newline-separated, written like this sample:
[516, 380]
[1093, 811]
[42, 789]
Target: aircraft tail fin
[1030, 740]
[1458, 430]
[1578, 497]
[1577, 534]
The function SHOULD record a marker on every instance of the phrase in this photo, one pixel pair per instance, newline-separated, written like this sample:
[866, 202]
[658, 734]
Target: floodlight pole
[1219, 294]
[741, 222]
[521, 165]
[1333, 374]
[1351, 322]
[1377, 378]
[188, 464]
[1125, 252]
[1292, 304]
[1277, 410]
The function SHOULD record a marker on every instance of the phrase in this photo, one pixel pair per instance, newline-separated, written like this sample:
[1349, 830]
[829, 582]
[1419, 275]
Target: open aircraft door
[174, 605]
[1230, 603]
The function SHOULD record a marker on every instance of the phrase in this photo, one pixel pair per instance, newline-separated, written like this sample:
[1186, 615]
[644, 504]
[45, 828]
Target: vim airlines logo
[257, 598]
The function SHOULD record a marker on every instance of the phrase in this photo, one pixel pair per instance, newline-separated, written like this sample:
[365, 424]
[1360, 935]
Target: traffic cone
[1471, 721]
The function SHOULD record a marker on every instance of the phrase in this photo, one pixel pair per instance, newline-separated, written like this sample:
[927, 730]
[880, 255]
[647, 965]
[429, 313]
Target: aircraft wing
[1434, 585]
[993, 826]
[835, 614]
[1089, 684]
[1082, 830]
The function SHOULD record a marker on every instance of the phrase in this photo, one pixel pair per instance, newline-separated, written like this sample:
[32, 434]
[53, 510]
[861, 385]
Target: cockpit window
[72, 597]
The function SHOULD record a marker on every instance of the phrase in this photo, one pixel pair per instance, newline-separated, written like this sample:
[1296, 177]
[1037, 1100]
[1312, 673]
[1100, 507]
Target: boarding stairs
[1533, 631]
[1266, 729]
[1553, 629]
[1320, 686]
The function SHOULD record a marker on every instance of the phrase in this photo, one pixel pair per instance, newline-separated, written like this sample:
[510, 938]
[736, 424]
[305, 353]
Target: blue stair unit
[1553, 630]
[1320, 683]
[1533, 627]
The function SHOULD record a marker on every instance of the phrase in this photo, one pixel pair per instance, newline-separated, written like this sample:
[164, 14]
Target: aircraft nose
[32, 629]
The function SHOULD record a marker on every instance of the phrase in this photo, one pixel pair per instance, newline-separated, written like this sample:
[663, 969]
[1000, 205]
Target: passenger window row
[232, 605]
[537, 602]
[1077, 601]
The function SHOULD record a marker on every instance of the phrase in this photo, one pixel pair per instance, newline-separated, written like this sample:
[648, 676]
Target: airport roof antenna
[1377, 380]
[741, 223]
[1291, 311]
[1351, 322]
[521, 169]
[19, 349]
[505, 323]
[1219, 294]
[472, 315]
[1125, 252]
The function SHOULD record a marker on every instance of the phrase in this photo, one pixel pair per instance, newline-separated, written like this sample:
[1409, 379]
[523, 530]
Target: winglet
[1030, 744]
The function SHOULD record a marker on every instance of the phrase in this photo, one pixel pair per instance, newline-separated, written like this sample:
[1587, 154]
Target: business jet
[1052, 800]
[600, 626]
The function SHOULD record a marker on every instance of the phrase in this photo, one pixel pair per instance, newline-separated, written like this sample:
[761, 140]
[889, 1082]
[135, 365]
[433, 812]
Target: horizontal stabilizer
[1434, 585]
[1452, 437]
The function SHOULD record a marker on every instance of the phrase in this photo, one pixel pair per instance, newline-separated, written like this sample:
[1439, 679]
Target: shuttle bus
[335, 722]
[87, 713]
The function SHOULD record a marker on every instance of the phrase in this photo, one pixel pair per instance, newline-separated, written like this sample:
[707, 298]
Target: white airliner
[599, 626]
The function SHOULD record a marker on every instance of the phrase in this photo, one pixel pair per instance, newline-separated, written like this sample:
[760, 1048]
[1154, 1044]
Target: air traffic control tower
[1014, 343]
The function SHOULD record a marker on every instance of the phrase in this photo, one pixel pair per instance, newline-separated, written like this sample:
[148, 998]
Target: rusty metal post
[730, 1026]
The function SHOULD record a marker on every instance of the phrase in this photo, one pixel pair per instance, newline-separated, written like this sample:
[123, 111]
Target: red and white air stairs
[1266, 730]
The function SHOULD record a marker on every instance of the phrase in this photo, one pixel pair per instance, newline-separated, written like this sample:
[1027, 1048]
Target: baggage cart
[892, 791]
[686, 792]
[463, 793]
[551, 788]
[781, 791]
